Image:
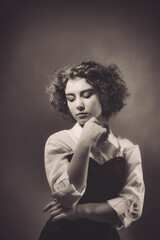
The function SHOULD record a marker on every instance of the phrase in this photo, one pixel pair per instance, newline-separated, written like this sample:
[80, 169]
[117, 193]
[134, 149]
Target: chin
[82, 122]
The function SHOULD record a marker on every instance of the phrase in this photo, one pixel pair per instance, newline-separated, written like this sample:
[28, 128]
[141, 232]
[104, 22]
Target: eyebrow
[82, 92]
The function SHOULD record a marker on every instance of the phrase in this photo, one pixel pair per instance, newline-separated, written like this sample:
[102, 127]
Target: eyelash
[70, 100]
[88, 95]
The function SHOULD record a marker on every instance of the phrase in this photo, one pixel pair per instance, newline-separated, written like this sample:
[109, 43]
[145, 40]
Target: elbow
[64, 200]
[65, 194]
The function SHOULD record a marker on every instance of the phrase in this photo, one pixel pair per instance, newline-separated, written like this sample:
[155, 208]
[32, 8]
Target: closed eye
[88, 94]
[70, 98]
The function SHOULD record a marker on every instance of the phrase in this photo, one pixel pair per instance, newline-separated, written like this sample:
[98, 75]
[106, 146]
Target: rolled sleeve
[65, 193]
[56, 164]
[129, 203]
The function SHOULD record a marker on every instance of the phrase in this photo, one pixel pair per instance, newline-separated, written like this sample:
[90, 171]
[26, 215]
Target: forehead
[77, 85]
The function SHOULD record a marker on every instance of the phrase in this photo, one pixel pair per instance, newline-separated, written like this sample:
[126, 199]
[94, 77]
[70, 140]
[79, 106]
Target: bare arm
[99, 212]
[78, 167]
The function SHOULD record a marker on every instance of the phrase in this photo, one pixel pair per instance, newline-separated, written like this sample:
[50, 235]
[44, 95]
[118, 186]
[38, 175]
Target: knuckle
[92, 119]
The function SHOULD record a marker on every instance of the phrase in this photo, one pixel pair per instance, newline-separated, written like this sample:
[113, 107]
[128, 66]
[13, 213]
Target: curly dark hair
[108, 82]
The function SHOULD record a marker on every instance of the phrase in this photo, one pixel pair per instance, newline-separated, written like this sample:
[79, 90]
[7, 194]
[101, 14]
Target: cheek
[96, 101]
[71, 107]
[98, 107]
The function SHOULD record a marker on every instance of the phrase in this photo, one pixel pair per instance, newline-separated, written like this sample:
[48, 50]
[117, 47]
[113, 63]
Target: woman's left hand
[59, 212]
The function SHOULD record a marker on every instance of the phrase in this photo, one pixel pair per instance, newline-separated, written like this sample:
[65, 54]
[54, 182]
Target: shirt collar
[77, 130]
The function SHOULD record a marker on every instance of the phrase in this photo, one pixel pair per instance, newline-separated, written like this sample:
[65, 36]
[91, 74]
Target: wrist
[81, 211]
[83, 143]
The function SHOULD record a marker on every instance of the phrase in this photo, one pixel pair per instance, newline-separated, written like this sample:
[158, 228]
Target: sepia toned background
[39, 37]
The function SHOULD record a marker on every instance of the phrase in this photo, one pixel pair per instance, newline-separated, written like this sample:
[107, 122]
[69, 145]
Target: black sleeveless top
[104, 182]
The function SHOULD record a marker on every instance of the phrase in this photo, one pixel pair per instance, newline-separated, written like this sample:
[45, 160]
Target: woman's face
[82, 99]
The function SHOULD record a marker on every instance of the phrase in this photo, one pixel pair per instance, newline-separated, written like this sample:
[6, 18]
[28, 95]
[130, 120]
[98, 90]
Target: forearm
[78, 167]
[100, 212]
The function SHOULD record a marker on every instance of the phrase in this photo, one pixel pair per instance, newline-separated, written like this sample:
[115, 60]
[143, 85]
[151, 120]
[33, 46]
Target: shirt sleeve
[56, 163]
[129, 203]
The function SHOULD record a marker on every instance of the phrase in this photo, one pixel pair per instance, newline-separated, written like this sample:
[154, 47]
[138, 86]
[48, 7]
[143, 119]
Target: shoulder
[59, 136]
[130, 151]
[59, 139]
[126, 145]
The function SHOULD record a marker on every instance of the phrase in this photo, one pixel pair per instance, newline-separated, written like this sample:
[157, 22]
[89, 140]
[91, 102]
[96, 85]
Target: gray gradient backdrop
[37, 38]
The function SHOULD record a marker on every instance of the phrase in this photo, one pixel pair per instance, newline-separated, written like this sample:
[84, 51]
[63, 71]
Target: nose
[80, 105]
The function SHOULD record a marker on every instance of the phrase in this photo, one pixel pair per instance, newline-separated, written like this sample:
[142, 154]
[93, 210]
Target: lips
[82, 114]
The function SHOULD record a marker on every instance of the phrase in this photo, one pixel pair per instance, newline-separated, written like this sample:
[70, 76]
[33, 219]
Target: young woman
[95, 177]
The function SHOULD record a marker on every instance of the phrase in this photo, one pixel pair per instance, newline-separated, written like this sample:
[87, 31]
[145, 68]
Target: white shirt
[59, 146]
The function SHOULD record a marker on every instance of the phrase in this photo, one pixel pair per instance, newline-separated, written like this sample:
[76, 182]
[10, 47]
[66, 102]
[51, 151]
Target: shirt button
[135, 205]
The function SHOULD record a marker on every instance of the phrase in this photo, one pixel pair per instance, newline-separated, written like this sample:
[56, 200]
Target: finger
[56, 212]
[104, 131]
[102, 137]
[59, 217]
[94, 120]
[55, 207]
[50, 205]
